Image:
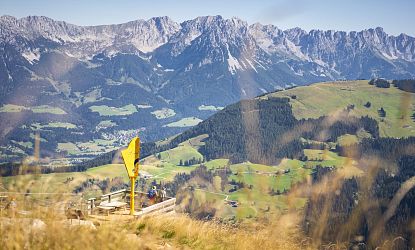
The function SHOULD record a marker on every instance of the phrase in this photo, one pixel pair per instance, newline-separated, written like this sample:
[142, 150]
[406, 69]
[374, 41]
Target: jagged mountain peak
[204, 23]
[144, 35]
[166, 19]
[211, 33]
[214, 40]
[7, 17]
[265, 27]
[162, 23]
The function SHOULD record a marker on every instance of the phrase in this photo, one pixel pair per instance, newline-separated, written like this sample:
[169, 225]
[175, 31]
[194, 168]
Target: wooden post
[92, 205]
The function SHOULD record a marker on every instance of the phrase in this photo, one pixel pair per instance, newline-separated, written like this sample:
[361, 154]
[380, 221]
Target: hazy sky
[394, 16]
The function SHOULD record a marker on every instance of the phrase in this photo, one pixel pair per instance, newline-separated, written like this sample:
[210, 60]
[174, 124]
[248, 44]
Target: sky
[395, 17]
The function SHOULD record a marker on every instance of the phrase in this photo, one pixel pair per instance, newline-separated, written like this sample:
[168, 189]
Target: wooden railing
[114, 196]
[162, 207]
[124, 196]
[90, 206]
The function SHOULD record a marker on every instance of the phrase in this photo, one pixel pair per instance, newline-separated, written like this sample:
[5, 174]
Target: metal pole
[132, 196]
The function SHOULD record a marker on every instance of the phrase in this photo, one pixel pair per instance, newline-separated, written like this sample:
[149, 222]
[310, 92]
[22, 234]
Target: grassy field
[165, 167]
[48, 109]
[254, 200]
[257, 198]
[345, 166]
[57, 182]
[209, 108]
[105, 110]
[165, 173]
[265, 178]
[324, 158]
[12, 108]
[92, 96]
[66, 125]
[347, 140]
[69, 147]
[185, 151]
[325, 98]
[106, 124]
[163, 113]
[185, 122]
[143, 106]
[95, 147]
[90, 147]
[27, 144]
[216, 163]
[44, 183]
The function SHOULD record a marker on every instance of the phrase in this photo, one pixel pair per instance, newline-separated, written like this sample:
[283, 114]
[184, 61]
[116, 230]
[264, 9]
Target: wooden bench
[106, 209]
[112, 206]
[117, 204]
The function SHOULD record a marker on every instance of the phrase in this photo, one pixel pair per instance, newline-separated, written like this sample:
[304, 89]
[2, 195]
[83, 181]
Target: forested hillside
[377, 207]
[265, 130]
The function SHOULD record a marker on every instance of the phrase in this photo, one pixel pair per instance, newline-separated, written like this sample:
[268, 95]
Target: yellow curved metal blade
[131, 156]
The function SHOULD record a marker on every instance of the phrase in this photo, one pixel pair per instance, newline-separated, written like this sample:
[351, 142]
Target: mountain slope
[105, 82]
[323, 149]
[326, 98]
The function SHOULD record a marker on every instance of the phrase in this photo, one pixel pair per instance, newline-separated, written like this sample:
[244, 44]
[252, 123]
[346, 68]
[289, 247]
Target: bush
[382, 112]
[380, 83]
[405, 85]
[140, 228]
[168, 234]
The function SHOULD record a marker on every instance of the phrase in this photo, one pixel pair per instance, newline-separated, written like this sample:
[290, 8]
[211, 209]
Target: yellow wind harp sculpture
[131, 156]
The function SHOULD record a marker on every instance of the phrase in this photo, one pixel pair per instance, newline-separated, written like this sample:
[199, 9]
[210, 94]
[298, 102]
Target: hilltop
[327, 98]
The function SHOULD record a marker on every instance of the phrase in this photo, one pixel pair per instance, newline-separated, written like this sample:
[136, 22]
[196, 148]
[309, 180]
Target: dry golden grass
[184, 232]
[55, 236]
[175, 231]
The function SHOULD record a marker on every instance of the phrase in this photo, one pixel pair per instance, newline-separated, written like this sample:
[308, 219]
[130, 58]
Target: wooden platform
[117, 203]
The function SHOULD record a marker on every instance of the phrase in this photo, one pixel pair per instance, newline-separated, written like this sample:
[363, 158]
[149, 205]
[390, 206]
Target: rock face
[159, 64]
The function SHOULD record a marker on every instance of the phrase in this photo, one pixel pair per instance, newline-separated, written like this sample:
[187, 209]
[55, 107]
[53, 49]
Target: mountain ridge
[41, 25]
[149, 75]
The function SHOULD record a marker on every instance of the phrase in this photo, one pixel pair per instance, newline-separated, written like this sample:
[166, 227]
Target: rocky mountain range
[88, 89]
